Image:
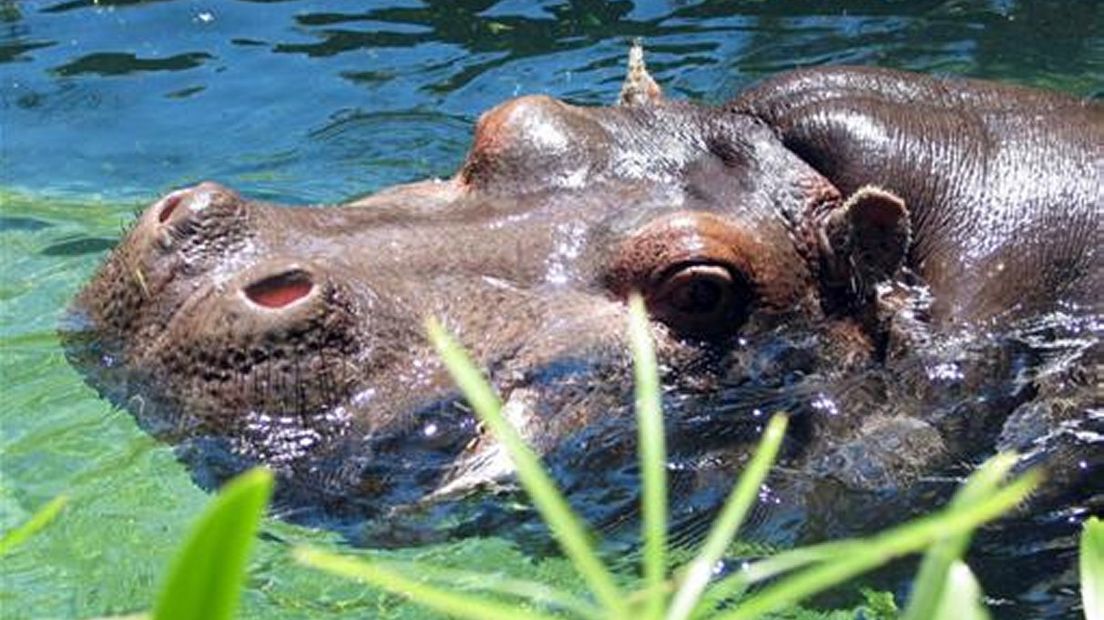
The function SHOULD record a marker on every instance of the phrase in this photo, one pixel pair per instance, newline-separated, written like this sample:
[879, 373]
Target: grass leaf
[879, 549]
[449, 602]
[777, 564]
[933, 577]
[496, 583]
[652, 452]
[960, 597]
[565, 525]
[1092, 568]
[724, 528]
[206, 580]
[12, 539]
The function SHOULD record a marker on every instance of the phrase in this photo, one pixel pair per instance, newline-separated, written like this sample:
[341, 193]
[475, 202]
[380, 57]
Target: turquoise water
[105, 105]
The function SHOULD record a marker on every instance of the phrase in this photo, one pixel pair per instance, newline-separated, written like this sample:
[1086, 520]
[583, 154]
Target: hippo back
[1005, 184]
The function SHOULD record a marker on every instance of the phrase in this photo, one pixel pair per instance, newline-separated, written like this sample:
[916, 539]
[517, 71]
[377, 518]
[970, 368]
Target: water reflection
[79, 246]
[110, 63]
[167, 93]
[22, 224]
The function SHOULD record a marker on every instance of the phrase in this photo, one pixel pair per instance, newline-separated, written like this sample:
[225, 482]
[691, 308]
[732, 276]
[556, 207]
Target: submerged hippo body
[912, 329]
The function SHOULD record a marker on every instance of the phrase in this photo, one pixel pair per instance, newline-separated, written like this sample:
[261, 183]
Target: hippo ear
[639, 89]
[865, 241]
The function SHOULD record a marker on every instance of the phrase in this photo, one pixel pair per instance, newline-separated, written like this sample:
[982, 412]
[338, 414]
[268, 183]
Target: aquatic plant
[687, 592]
[40, 519]
[207, 576]
[1092, 569]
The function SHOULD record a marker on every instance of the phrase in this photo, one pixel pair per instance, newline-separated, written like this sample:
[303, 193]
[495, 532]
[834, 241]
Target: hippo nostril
[167, 208]
[280, 290]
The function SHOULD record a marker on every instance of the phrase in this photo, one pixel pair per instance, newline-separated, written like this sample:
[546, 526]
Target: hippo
[909, 265]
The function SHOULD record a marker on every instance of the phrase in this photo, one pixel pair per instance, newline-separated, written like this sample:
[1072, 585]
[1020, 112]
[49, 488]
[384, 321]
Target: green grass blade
[494, 583]
[208, 573]
[13, 538]
[927, 589]
[767, 568]
[878, 550]
[1092, 568]
[724, 528]
[960, 596]
[565, 525]
[982, 482]
[653, 458]
[448, 602]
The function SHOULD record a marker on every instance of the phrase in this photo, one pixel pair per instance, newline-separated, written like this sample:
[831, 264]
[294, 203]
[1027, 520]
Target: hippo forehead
[671, 156]
[536, 143]
[569, 183]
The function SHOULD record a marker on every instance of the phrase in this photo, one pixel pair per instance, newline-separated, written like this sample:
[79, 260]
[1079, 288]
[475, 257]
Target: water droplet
[823, 403]
[948, 371]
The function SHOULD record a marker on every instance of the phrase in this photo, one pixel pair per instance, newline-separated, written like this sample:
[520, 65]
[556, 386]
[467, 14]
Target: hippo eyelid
[280, 290]
[701, 297]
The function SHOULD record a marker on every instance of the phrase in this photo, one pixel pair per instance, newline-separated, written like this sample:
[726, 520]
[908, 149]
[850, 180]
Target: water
[104, 105]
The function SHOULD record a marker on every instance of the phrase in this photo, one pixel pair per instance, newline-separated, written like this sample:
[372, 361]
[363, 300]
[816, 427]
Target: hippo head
[247, 332]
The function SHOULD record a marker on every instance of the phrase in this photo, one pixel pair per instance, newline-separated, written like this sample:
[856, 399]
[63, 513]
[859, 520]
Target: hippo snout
[217, 320]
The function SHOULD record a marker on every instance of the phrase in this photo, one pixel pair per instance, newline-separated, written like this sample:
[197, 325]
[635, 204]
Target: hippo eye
[700, 299]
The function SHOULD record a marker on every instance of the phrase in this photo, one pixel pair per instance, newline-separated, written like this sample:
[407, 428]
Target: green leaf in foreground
[961, 596]
[700, 570]
[207, 576]
[1092, 568]
[880, 549]
[12, 539]
[652, 454]
[447, 601]
[928, 587]
[798, 573]
[565, 525]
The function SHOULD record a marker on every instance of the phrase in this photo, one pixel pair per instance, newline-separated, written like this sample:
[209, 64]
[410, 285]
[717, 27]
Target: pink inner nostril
[280, 290]
[170, 205]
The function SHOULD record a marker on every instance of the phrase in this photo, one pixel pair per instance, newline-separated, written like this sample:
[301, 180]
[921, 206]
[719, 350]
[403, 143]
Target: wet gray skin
[246, 332]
